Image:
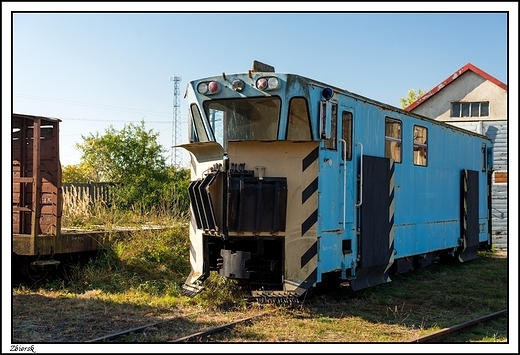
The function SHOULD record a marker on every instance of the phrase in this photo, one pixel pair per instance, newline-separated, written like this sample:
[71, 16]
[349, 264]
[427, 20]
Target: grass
[412, 305]
[79, 211]
[138, 278]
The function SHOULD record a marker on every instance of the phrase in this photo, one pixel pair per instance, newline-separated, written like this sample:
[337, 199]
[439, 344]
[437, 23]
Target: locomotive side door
[337, 176]
[337, 190]
[330, 185]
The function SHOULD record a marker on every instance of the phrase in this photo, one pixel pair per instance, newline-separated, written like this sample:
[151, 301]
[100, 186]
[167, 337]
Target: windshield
[243, 119]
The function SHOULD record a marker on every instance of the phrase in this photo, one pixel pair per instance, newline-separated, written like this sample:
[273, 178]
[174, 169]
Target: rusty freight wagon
[38, 240]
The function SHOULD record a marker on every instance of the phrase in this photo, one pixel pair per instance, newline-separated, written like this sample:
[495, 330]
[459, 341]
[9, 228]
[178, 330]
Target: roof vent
[259, 66]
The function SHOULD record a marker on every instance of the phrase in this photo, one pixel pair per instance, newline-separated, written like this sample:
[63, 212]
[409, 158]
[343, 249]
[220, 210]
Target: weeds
[398, 313]
[77, 209]
[144, 269]
[80, 211]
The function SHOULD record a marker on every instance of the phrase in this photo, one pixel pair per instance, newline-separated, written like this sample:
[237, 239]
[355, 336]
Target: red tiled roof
[450, 79]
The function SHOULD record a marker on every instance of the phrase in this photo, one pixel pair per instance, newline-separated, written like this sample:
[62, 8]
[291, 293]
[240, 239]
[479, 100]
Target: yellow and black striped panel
[298, 162]
[469, 214]
[302, 245]
[391, 213]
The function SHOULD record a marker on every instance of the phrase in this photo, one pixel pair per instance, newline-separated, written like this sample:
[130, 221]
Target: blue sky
[93, 70]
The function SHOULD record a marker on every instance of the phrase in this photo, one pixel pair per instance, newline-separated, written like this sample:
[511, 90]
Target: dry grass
[76, 207]
[413, 305]
[80, 211]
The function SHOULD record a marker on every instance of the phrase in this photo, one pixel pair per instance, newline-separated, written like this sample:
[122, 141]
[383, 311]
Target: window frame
[294, 101]
[390, 139]
[347, 118]
[417, 146]
[331, 144]
[470, 106]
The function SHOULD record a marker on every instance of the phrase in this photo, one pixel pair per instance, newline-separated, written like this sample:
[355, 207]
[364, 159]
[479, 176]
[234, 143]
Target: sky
[101, 65]
[94, 70]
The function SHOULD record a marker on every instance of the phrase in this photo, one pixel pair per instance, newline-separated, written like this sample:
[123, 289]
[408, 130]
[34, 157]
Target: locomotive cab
[250, 163]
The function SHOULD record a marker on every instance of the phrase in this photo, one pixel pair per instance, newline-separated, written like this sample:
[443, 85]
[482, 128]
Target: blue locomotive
[296, 183]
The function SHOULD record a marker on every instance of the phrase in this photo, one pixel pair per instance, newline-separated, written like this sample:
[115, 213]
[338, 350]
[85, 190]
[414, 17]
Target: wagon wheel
[35, 273]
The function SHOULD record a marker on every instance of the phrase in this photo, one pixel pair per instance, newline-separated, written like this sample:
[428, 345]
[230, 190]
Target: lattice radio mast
[176, 157]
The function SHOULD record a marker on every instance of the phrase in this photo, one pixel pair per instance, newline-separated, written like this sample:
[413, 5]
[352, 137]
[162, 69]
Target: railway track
[199, 336]
[195, 337]
[446, 332]
[119, 335]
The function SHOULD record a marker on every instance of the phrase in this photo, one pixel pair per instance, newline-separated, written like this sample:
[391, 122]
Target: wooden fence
[95, 192]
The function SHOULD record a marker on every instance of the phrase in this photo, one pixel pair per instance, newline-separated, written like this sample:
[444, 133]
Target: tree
[133, 159]
[117, 154]
[78, 173]
[177, 189]
[412, 97]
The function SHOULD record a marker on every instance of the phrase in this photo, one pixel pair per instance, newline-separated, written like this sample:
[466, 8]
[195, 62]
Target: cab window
[298, 127]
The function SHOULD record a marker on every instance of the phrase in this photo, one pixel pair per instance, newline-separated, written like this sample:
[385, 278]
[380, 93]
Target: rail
[448, 331]
[197, 336]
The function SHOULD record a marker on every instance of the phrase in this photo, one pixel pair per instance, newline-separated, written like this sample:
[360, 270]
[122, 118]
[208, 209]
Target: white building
[474, 100]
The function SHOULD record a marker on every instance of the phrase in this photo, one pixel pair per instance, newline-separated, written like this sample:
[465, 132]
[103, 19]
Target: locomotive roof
[383, 105]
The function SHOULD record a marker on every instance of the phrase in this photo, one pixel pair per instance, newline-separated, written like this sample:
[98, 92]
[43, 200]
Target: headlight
[272, 83]
[238, 85]
[202, 88]
[261, 84]
[269, 83]
[213, 87]
[205, 88]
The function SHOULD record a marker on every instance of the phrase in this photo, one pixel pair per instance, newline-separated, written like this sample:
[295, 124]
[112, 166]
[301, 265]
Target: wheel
[34, 273]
